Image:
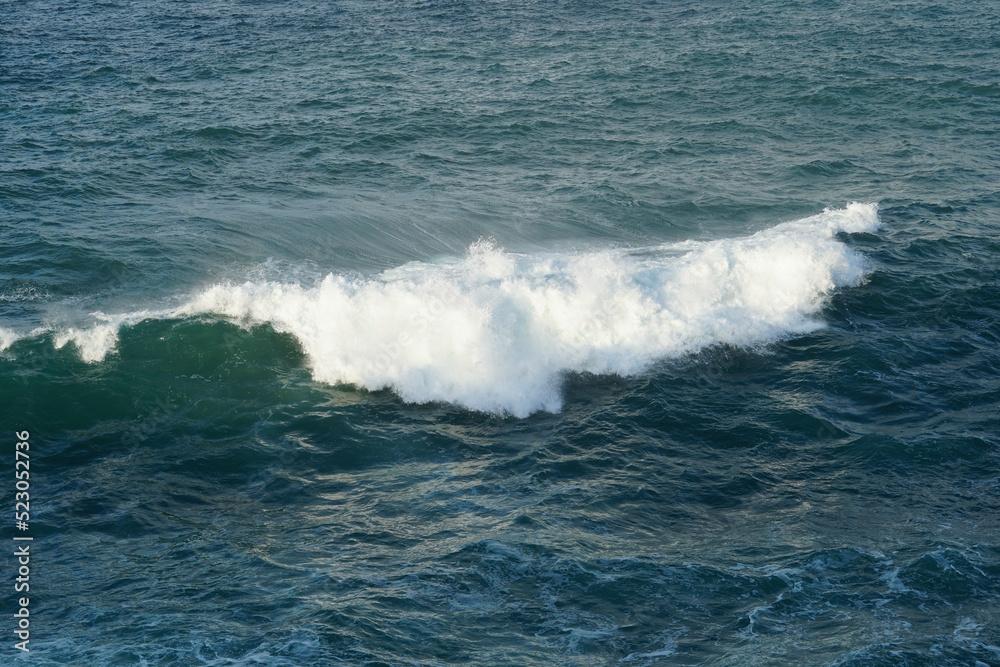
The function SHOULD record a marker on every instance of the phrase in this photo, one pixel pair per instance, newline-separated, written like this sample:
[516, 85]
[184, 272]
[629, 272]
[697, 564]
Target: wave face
[495, 331]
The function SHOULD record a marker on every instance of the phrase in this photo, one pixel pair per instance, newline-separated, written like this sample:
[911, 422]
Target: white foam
[95, 342]
[92, 344]
[495, 330]
[7, 338]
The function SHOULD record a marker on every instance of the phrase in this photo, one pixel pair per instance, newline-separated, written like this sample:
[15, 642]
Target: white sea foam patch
[7, 338]
[495, 331]
[93, 343]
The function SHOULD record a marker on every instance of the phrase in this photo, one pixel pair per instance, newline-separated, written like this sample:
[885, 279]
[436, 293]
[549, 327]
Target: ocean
[500, 332]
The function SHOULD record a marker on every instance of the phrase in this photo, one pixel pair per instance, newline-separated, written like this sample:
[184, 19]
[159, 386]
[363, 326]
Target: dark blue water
[433, 333]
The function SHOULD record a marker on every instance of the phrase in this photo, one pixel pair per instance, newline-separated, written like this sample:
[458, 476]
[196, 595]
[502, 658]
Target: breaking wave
[495, 331]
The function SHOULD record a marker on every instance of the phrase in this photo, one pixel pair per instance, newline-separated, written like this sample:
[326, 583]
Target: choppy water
[504, 332]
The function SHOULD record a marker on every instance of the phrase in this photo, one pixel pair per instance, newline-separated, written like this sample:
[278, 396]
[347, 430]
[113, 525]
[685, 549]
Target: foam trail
[495, 331]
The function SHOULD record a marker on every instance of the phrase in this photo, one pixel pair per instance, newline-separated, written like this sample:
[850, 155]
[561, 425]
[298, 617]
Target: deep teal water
[289, 406]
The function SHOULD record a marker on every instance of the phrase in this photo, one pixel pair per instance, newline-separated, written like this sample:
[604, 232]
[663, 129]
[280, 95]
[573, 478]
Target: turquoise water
[436, 333]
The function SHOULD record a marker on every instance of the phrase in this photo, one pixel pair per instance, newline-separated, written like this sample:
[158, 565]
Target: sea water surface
[528, 333]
